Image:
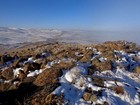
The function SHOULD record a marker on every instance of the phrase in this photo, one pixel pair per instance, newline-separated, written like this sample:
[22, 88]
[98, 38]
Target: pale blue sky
[107, 15]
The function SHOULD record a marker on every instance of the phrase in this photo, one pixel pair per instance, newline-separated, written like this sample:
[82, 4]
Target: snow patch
[34, 73]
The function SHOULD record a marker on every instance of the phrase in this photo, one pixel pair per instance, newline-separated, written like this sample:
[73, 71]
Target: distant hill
[21, 35]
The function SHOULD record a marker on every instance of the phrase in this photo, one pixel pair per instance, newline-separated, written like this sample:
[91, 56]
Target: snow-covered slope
[120, 77]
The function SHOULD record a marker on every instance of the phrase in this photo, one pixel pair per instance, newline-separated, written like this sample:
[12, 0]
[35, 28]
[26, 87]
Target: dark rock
[17, 64]
[17, 96]
[89, 97]
[31, 67]
[39, 97]
[37, 56]
[105, 103]
[91, 70]
[6, 58]
[98, 82]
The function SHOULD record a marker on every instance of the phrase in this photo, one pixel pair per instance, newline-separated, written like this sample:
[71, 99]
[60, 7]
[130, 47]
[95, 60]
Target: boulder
[105, 103]
[109, 55]
[17, 64]
[29, 79]
[43, 96]
[49, 99]
[91, 70]
[48, 76]
[119, 89]
[37, 56]
[85, 59]
[101, 48]
[98, 82]
[93, 97]
[8, 74]
[31, 67]
[65, 65]
[89, 97]
[53, 99]
[5, 86]
[106, 65]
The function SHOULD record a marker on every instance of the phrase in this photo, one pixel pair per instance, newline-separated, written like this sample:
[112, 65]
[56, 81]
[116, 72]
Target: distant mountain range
[20, 35]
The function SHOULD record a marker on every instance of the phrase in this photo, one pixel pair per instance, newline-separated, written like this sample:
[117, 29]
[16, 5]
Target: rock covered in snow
[75, 73]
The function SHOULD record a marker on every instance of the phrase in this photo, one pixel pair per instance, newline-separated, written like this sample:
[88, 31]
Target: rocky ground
[70, 74]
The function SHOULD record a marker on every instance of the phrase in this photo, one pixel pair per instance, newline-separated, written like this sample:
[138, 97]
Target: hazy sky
[71, 14]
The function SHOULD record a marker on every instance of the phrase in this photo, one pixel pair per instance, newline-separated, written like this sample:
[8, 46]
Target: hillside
[71, 74]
